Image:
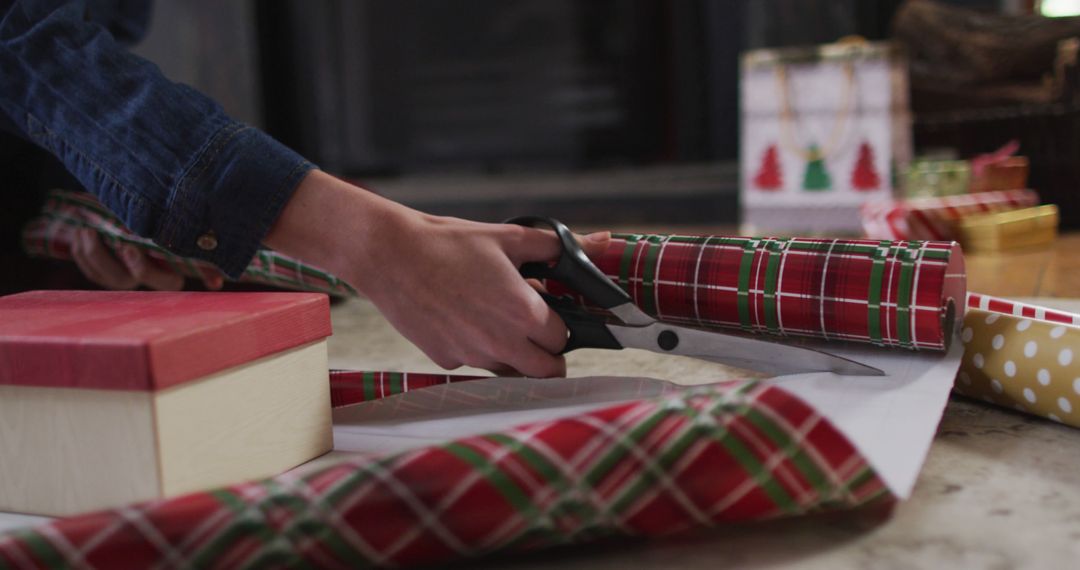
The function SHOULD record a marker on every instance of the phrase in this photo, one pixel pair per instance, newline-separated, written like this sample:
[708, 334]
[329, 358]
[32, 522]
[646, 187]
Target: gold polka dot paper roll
[1022, 363]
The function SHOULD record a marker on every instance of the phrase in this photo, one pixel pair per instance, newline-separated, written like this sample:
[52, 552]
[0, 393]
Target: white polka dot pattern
[1022, 363]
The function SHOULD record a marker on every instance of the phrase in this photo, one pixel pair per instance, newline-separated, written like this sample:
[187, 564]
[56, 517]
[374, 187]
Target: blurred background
[603, 112]
[597, 111]
[635, 114]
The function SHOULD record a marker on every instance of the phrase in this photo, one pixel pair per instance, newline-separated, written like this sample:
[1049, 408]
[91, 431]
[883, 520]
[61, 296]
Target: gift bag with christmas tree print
[823, 130]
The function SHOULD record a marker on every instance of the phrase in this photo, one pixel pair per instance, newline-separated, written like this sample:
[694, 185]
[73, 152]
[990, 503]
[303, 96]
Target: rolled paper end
[954, 296]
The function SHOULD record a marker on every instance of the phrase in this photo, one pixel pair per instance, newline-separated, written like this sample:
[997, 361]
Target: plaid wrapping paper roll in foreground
[1022, 357]
[737, 452]
[886, 293]
[52, 232]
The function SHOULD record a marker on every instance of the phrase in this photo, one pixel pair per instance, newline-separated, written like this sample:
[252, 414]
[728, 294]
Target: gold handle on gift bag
[789, 120]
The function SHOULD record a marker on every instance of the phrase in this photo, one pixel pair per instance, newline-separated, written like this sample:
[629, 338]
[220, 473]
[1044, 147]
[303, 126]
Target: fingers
[503, 370]
[524, 244]
[535, 362]
[139, 266]
[548, 330]
[595, 244]
[98, 264]
[531, 244]
[213, 282]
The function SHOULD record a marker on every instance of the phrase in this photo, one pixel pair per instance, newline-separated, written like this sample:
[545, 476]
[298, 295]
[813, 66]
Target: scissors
[639, 330]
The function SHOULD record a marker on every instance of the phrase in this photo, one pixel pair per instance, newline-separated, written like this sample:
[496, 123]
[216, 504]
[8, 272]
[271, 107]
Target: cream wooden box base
[64, 451]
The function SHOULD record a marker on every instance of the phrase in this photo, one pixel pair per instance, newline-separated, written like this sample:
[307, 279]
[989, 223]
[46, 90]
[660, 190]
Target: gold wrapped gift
[1004, 231]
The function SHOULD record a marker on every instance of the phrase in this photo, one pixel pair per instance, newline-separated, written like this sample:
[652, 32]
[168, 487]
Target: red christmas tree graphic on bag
[865, 178]
[769, 176]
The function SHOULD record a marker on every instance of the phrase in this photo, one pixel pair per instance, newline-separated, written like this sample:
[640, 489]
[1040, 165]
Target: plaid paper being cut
[745, 451]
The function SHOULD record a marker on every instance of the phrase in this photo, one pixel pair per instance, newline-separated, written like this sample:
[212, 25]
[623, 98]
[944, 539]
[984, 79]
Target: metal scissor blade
[753, 354]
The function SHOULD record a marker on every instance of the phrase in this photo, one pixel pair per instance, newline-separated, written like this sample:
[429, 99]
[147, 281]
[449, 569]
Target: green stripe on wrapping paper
[42, 549]
[397, 386]
[904, 294]
[654, 245]
[772, 278]
[793, 449]
[754, 468]
[627, 260]
[646, 478]
[278, 498]
[341, 489]
[873, 299]
[506, 486]
[225, 540]
[553, 477]
[824, 247]
[621, 449]
[746, 265]
[367, 382]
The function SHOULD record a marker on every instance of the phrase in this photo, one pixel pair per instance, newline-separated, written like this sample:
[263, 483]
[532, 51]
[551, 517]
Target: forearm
[335, 225]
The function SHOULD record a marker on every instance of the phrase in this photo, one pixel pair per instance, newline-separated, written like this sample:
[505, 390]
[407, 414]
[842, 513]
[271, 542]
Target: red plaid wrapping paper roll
[935, 218]
[52, 233]
[880, 292]
[739, 452]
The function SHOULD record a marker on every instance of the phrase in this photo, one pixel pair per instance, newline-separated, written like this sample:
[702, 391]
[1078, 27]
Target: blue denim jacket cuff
[230, 196]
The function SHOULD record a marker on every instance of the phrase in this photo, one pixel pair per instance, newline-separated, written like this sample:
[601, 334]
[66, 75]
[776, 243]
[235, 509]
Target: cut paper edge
[892, 419]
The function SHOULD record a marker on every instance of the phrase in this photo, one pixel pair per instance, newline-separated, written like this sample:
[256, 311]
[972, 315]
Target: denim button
[207, 241]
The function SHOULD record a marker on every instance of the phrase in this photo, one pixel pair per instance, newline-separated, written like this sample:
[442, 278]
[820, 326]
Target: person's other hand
[132, 270]
[450, 286]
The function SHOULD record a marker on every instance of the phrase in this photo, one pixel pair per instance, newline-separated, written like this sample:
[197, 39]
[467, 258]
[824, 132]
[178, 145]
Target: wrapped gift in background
[930, 178]
[1009, 231]
[822, 130]
[1008, 173]
[936, 218]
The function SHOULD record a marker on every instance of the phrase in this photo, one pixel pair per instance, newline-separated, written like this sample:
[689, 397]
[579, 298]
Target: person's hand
[132, 270]
[450, 286]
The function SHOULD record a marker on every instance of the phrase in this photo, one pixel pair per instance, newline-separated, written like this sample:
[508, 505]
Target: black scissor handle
[585, 330]
[573, 267]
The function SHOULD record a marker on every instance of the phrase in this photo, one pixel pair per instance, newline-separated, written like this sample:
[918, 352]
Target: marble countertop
[999, 489]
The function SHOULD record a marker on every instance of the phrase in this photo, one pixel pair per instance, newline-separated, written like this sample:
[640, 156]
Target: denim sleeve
[164, 157]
